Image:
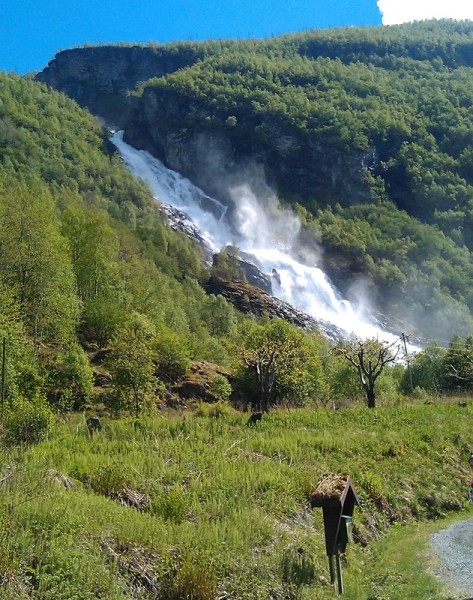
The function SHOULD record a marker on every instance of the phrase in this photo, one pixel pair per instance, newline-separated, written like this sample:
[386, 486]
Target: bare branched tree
[458, 363]
[369, 357]
[454, 372]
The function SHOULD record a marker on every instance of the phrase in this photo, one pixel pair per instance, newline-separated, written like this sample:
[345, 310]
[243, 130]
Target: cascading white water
[267, 232]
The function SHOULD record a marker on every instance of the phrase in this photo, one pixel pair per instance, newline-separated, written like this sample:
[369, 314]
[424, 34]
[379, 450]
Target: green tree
[226, 265]
[75, 377]
[103, 317]
[282, 362]
[343, 380]
[35, 261]
[426, 370]
[23, 376]
[95, 251]
[131, 363]
[28, 421]
[171, 353]
[219, 316]
[458, 364]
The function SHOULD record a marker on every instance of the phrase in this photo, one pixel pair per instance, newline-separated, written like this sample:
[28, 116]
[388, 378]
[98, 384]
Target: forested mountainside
[77, 230]
[95, 286]
[366, 131]
[103, 311]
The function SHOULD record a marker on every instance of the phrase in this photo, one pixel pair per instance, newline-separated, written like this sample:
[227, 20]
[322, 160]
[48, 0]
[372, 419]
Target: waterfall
[259, 228]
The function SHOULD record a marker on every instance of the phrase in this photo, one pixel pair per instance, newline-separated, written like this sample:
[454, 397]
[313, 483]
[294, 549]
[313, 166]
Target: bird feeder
[337, 497]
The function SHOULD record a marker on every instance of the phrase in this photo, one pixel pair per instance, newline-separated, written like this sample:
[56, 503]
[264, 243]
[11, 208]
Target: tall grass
[224, 506]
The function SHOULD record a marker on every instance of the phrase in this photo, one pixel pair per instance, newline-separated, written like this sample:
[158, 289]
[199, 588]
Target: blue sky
[32, 31]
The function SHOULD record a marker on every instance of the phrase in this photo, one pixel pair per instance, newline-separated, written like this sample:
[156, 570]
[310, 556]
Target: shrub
[215, 409]
[188, 578]
[27, 421]
[105, 480]
[419, 393]
[103, 318]
[75, 378]
[171, 353]
[220, 387]
[172, 505]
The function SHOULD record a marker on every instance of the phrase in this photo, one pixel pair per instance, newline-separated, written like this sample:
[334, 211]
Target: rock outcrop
[252, 300]
[197, 382]
[101, 78]
[185, 133]
[179, 221]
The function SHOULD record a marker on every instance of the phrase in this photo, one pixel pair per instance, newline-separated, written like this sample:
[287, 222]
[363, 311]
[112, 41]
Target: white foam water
[260, 228]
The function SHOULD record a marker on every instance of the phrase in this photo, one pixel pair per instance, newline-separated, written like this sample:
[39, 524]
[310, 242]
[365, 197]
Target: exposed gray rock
[102, 77]
[250, 299]
[255, 276]
[179, 221]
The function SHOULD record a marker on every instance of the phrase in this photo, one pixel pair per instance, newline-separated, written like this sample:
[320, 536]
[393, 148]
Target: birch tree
[35, 261]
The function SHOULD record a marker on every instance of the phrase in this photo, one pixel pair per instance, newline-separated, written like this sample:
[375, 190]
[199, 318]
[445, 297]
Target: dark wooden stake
[339, 574]
[332, 569]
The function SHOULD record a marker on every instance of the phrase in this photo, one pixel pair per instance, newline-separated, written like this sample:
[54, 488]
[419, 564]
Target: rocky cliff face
[185, 135]
[252, 300]
[214, 155]
[101, 78]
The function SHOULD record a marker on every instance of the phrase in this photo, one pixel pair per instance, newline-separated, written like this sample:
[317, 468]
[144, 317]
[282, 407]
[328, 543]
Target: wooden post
[339, 573]
[332, 569]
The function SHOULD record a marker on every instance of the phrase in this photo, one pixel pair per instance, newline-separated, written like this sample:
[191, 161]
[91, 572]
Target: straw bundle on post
[328, 491]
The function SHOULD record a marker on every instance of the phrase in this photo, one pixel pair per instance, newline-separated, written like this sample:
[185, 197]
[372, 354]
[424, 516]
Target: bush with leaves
[458, 364]
[70, 379]
[27, 421]
[220, 387]
[103, 318]
[426, 371]
[171, 353]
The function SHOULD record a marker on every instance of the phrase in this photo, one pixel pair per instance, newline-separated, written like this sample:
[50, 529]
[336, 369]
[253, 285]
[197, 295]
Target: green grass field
[206, 508]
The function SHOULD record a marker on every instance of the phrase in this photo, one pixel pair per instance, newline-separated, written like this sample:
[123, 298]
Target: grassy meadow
[203, 507]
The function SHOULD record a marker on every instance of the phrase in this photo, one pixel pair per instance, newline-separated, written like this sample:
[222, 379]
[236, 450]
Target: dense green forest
[367, 131]
[397, 102]
[87, 261]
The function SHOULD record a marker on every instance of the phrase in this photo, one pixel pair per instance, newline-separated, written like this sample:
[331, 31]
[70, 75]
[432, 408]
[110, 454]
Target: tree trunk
[265, 403]
[370, 397]
[256, 405]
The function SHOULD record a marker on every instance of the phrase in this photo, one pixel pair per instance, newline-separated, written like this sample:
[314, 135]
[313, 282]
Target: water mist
[257, 227]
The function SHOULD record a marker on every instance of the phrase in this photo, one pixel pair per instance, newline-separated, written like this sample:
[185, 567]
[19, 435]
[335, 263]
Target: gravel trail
[454, 550]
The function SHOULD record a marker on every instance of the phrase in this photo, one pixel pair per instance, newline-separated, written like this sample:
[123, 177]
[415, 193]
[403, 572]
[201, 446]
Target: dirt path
[454, 550]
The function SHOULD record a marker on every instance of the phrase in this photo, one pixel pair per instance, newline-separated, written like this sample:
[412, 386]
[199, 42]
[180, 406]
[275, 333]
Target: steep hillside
[100, 301]
[368, 131]
[86, 259]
